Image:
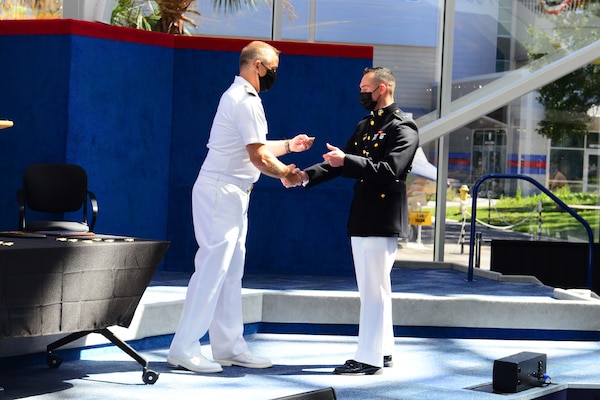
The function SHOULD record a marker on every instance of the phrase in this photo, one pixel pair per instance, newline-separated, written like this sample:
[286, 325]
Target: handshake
[295, 176]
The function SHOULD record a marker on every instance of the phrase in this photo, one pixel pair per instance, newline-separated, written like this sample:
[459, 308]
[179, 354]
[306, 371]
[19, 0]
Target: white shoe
[247, 360]
[194, 364]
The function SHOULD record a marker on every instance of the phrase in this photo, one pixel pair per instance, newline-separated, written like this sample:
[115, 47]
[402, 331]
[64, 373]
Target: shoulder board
[402, 116]
[250, 90]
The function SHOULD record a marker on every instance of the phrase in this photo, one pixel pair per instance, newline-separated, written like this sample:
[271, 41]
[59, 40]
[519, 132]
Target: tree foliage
[567, 100]
[167, 16]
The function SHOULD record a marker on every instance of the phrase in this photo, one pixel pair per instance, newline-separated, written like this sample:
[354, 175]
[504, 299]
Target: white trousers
[374, 258]
[214, 295]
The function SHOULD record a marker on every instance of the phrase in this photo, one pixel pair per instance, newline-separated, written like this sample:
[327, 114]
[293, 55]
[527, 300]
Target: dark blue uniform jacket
[379, 156]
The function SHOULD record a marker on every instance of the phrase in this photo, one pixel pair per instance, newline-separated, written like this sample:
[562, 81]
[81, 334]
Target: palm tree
[172, 16]
[168, 16]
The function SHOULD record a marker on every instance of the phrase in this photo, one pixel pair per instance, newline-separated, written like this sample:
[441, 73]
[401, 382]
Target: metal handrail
[549, 194]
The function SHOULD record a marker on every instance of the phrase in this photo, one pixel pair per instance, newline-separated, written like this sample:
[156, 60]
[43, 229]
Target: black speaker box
[518, 372]
[320, 394]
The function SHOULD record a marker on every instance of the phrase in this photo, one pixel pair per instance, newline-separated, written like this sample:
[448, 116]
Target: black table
[75, 285]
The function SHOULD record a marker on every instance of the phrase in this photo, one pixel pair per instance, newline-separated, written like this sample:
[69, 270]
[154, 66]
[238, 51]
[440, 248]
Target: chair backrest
[55, 188]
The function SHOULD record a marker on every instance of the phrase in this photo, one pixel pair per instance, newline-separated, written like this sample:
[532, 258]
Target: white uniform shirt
[240, 120]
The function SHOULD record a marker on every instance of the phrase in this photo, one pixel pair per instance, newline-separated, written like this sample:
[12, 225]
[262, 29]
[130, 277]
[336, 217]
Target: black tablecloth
[62, 285]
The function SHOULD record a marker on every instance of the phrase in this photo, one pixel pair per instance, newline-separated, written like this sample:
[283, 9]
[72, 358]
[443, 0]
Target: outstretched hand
[301, 142]
[335, 157]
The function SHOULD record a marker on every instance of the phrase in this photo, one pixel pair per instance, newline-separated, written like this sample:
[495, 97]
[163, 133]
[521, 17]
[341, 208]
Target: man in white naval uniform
[238, 153]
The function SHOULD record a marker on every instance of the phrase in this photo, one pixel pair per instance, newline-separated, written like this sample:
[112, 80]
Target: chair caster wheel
[149, 377]
[53, 361]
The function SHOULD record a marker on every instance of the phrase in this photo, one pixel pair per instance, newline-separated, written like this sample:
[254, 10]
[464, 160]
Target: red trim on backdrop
[84, 28]
[209, 43]
[296, 48]
[34, 27]
[104, 31]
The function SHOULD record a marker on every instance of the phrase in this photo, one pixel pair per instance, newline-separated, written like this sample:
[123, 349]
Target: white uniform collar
[249, 88]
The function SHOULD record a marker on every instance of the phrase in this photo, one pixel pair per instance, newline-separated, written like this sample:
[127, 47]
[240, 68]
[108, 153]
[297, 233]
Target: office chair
[56, 189]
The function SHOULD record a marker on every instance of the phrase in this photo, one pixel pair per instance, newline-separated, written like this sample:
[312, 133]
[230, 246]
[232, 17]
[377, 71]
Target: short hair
[382, 75]
[257, 50]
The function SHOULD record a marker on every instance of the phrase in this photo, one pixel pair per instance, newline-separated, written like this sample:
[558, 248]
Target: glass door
[489, 156]
[591, 177]
[590, 163]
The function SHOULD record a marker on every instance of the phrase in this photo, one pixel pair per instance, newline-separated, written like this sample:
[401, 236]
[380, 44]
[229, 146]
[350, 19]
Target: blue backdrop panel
[201, 78]
[34, 94]
[135, 109]
[303, 231]
[120, 130]
[310, 95]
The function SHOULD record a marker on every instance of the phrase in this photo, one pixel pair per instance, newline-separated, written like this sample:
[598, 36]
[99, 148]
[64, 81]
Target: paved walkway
[454, 252]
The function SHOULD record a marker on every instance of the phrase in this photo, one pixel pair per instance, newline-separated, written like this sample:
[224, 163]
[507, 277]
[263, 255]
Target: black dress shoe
[387, 361]
[352, 367]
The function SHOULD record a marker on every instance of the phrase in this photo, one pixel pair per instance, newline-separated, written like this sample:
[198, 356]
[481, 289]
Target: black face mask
[267, 81]
[366, 100]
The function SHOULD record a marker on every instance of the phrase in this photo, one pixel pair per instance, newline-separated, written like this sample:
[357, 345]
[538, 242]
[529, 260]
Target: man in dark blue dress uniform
[378, 156]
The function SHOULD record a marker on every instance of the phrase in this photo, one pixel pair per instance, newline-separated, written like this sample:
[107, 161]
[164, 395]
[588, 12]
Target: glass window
[568, 141]
[383, 22]
[247, 21]
[296, 23]
[592, 140]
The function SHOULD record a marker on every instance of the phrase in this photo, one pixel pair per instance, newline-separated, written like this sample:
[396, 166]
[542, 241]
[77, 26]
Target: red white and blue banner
[558, 6]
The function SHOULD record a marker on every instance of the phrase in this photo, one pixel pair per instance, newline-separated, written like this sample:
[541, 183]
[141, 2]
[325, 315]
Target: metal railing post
[478, 240]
